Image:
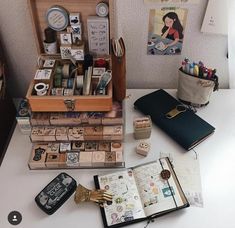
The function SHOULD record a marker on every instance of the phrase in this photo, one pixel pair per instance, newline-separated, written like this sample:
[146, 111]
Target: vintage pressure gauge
[57, 18]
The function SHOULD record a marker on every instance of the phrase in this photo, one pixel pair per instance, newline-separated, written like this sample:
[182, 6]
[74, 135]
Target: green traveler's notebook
[185, 127]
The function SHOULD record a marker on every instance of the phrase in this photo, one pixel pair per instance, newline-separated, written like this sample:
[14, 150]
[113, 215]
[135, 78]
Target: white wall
[18, 40]
[161, 71]
[143, 71]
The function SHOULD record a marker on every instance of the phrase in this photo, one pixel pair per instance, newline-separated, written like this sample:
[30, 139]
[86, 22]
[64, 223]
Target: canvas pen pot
[194, 90]
[41, 88]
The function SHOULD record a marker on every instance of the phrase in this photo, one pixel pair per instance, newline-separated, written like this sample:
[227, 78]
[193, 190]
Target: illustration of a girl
[172, 29]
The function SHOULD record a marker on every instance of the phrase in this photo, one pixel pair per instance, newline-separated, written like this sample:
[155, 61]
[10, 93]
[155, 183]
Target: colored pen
[205, 72]
[196, 70]
[191, 67]
[213, 73]
[201, 63]
[209, 75]
[183, 65]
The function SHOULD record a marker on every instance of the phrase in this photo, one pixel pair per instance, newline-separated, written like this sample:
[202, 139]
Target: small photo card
[49, 63]
[44, 74]
[74, 18]
[65, 52]
[65, 38]
[98, 71]
[77, 54]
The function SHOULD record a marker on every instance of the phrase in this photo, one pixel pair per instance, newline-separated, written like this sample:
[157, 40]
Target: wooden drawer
[69, 103]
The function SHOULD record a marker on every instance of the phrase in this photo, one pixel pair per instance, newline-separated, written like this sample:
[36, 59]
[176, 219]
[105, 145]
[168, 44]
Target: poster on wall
[166, 31]
[172, 1]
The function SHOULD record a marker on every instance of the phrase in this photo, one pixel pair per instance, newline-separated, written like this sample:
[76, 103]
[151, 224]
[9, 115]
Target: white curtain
[231, 43]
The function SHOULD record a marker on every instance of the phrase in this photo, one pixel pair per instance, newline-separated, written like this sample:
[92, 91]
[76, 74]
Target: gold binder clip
[176, 111]
[85, 195]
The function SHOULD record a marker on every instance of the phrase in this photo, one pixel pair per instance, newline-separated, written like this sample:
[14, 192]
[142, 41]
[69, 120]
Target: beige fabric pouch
[193, 90]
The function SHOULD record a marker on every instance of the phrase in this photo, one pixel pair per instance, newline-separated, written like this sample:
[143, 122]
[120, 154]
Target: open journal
[140, 193]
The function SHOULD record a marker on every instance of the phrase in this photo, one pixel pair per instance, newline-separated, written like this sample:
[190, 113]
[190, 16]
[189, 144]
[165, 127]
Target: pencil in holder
[194, 90]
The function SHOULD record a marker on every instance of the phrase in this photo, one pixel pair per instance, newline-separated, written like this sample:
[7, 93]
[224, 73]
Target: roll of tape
[58, 70]
[65, 70]
[64, 83]
[58, 80]
[79, 81]
[70, 83]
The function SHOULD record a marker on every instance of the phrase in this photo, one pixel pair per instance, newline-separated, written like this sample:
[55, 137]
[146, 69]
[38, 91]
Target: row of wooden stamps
[53, 134]
[76, 155]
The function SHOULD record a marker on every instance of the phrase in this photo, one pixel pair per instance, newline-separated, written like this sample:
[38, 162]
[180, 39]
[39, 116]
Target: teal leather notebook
[180, 123]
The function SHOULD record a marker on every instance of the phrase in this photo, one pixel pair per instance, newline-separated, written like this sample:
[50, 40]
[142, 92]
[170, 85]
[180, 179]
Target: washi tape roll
[100, 63]
[65, 70]
[64, 83]
[79, 81]
[58, 70]
[80, 68]
[70, 83]
[58, 80]
[23, 112]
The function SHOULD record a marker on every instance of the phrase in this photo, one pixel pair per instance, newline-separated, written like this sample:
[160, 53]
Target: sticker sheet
[156, 193]
[126, 205]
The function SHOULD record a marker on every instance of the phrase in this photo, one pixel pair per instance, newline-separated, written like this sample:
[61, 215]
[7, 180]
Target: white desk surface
[19, 185]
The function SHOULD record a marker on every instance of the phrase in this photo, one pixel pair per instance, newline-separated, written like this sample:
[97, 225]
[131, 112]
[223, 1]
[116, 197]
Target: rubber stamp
[143, 148]
[85, 159]
[98, 158]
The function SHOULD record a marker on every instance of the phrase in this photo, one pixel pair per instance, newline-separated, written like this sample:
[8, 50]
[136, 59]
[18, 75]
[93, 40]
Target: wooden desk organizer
[48, 103]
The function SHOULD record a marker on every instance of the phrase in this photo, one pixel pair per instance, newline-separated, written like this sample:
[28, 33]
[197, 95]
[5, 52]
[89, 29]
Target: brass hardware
[70, 104]
[86, 195]
[176, 111]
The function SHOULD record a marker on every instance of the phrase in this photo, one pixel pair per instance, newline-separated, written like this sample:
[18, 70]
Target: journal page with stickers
[126, 205]
[158, 187]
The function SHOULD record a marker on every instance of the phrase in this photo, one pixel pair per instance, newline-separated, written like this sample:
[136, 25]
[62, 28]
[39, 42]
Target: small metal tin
[102, 9]
[56, 193]
[57, 18]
